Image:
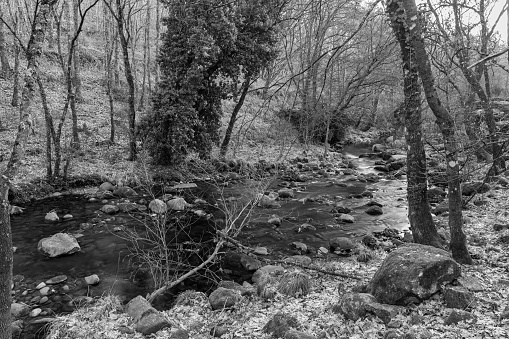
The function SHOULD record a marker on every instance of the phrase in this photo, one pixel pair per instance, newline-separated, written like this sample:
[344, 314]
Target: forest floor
[246, 320]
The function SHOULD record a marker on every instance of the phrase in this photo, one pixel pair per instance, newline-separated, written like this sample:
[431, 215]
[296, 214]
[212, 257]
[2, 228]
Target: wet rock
[110, 209]
[223, 298]
[458, 297]
[35, 312]
[177, 204]
[269, 270]
[147, 319]
[261, 251]
[51, 217]
[299, 246]
[232, 285]
[381, 168]
[342, 244]
[43, 300]
[106, 186]
[458, 315]
[16, 210]
[370, 241]
[58, 244]
[304, 227]
[474, 187]
[374, 210]
[124, 192]
[17, 328]
[274, 220]
[354, 306]
[158, 206]
[280, 324]
[68, 216]
[265, 201]
[341, 209]
[299, 259]
[412, 270]
[286, 193]
[377, 148]
[44, 291]
[436, 195]
[374, 203]
[92, 279]
[19, 310]
[346, 218]
[41, 285]
[130, 207]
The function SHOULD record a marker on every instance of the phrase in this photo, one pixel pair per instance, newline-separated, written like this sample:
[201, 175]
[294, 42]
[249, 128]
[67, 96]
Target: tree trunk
[130, 80]
[17, 51]
[419, 213]
[445, 121]
[5, 71]
[233, 118]
[76, 57]
[33, 51]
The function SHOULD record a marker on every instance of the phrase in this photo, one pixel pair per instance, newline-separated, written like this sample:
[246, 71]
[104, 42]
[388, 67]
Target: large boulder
[223, 298]
[412, 271]
[147, 319]
[471, 188]
[354, 306]
[124, 192]
[58, 244]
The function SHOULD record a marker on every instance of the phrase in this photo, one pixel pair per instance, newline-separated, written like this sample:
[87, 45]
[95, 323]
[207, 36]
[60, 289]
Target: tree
[208, 48]
[419, 213]
[5, 68]
[405, 14]
[32, 52]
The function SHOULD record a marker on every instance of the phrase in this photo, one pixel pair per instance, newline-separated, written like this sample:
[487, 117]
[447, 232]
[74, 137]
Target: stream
[105, 254]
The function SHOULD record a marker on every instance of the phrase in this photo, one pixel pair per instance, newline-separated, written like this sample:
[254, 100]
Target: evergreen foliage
[209, 47]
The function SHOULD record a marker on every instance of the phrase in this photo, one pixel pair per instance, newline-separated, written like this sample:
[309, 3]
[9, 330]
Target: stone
[342, 244]
[377, 148]
[299, 246]
[41, 285]
[436, 195]
[412, 270]
[110, 209]
[299, 259]
[341, 209]
[232, 285]
[17, 328]
[218, 331]
[158, 206]
[19, 310]
[286, 193]
[223, 298]
[56, 280]
[58, 244]
[124, 192]
[129, 207]
[346, 218]
[474, 187]
[184, 186]
[106, 186]
[374, 210]
[16, 210]
[265, 201]
[44, 291]
[43, 300]
[67, 216]
[268, 269]
[177, 204]
[274, 220]
[179, 333]
[280, 324]
[92, 279]
[374, 203]
[458, 297]
[471, 283]
[35, 312]
[51, 217]
[396, 165]
[261, 251]
[458, 315]
[304, 227]
[147, 319]
[354, 306]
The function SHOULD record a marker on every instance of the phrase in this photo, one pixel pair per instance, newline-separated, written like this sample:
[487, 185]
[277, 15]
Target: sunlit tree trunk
[5, 68]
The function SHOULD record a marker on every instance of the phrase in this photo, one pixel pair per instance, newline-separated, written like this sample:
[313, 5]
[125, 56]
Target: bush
[294, 284]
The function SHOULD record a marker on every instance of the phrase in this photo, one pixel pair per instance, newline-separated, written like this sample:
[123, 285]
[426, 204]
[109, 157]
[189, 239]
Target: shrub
[294, 284]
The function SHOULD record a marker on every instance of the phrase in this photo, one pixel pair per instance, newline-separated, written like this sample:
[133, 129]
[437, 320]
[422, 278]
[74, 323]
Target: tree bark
[233, 118]
[17, 51]
[5, 71]
[419, 212]
[33, 52]
[447, 126]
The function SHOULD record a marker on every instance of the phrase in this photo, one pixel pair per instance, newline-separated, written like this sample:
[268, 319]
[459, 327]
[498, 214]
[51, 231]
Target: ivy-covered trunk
[446, 124]
[419, 213]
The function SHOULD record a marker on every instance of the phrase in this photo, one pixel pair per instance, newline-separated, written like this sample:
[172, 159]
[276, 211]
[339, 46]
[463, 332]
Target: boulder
[177, 204]
[129, 207]
[106, 186]
[265, 201]
[342, 244]
[412, 270]
[51, 217]
[375, 210]
[158, 206]
[458, 315]
[124, 192]
[286, 193]
[376, 148]
[346, 218]
[239, 264]
[110, 209]
[280, 324]
[19, 310]
[274, 220]
[436, 195]
[92, 279]
[396, 165]
[223, 298]
[341, 209]
[354, 306]
[474, 187]
[147, 319]
[58, 244]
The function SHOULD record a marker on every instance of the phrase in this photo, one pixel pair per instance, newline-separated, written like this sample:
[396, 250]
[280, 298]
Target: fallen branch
[250, 250]
[489, 57]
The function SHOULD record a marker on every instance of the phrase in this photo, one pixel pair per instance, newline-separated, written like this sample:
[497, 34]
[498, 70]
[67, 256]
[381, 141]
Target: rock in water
[92, 279]
[106, 186]
[158, 206]
[124, 192]
[374, 210]
[58, 244]
[51, 216]
[412, 271]
[178, 204]
[223, 298]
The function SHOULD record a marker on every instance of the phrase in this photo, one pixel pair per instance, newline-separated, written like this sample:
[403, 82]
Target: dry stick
[151, 297]
[250, 250]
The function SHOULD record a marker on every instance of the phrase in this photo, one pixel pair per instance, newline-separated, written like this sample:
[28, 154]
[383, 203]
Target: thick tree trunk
[446, 123]
[33, 52]
[15, 85]
[5, 70]
[233, 118]
[419, 213]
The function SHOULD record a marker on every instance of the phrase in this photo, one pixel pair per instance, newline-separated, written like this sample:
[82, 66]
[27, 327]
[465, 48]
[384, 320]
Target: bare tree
[5, 68]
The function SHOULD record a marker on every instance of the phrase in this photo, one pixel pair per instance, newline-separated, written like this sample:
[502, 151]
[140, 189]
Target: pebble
[92, 279]
[35, 312]
[35, 300]
[261, 251]
[41, 285]
[65, 288]
[44, 291]
[68, 216]
[24, 293]
[43, 300]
